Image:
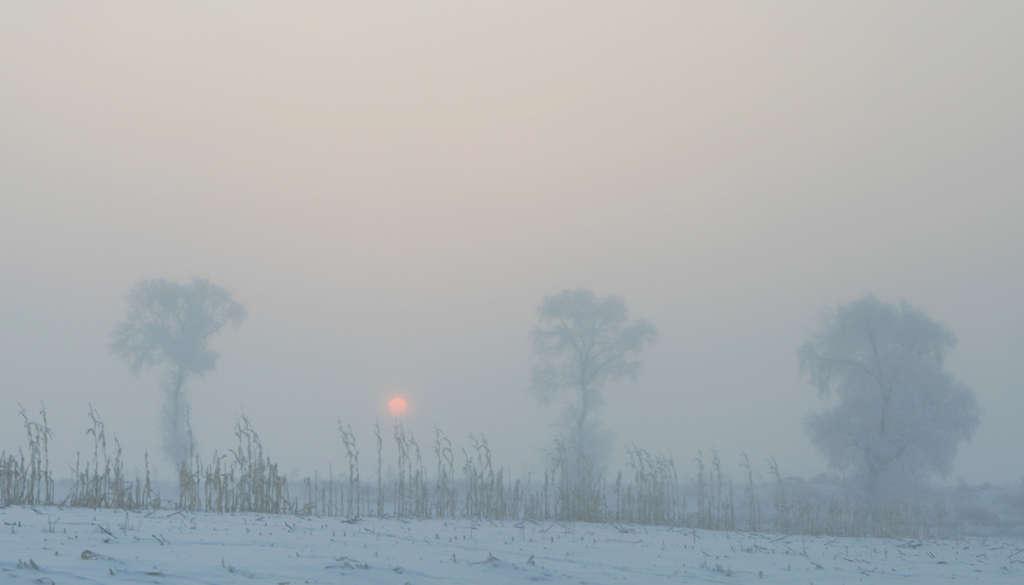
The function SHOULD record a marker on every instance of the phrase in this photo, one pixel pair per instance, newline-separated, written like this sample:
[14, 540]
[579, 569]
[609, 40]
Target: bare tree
[171, 324]
[898, 415]
[583, 342]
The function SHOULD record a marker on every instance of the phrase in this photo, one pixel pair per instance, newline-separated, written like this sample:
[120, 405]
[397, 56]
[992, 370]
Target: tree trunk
[175, 439]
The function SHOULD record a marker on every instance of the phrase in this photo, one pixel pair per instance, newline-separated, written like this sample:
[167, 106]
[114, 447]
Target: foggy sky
[391, 190]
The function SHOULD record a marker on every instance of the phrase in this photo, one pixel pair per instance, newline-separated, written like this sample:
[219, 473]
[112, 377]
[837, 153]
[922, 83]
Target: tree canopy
[172, 323]
[897, 415]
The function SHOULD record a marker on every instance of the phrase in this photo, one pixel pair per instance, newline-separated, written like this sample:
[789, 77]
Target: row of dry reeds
[649, 492]
[28, 481]
[245, 480]
[102, 482]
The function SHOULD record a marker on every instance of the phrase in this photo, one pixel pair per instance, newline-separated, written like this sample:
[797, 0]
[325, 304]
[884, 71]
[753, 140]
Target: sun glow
[397, 406]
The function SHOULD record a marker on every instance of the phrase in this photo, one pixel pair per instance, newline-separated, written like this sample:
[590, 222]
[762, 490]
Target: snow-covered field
[61, 545]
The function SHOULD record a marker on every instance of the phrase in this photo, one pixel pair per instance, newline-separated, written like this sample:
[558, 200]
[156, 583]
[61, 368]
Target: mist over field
[392, 192]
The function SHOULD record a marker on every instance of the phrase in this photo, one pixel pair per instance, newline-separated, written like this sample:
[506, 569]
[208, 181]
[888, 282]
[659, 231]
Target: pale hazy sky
[391, 189]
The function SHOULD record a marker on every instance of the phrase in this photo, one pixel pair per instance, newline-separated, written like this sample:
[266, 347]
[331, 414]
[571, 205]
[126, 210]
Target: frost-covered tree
[584, 342]
[897, 414]
[171, 324]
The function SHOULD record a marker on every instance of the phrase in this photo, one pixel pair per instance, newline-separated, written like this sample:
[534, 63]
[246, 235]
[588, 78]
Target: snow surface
[62, 545]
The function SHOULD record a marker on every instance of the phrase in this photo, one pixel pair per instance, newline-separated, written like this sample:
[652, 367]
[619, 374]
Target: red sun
[397, 406]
